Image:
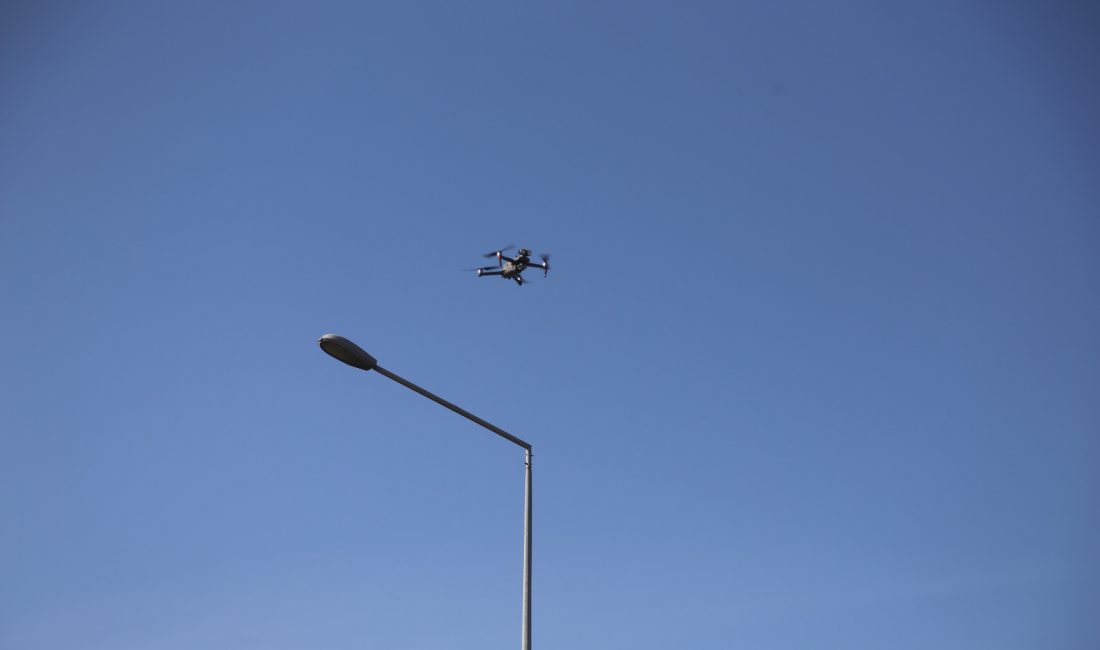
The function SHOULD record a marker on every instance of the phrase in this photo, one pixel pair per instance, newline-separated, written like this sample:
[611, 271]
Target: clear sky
[816, 365]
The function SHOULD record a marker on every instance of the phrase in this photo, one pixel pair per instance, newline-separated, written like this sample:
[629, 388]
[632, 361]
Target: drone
[512, 268]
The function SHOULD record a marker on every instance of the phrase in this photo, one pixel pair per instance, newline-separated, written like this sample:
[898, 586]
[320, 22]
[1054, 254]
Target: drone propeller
[546, 261]
[484, 268]
[495, 253]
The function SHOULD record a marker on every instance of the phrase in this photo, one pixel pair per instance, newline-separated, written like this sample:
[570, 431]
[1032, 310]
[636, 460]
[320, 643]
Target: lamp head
[340, 348]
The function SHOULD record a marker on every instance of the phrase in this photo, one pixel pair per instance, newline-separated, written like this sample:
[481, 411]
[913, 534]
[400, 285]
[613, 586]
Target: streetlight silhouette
[344, 350]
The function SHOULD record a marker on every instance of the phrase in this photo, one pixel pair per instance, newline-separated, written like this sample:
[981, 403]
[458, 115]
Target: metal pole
[527, 492]
[527, 495]
[457, 409]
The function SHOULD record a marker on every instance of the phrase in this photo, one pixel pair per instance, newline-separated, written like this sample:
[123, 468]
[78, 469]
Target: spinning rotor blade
[495, 253]
[545, 260]
[484, 268]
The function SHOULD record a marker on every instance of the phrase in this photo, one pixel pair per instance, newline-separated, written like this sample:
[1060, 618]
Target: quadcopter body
[512, 268]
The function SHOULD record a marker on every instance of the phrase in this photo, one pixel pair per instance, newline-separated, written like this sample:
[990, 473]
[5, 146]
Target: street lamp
[344, 350]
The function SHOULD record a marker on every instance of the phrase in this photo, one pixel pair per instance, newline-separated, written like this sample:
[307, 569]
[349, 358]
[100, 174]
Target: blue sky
[816, 365]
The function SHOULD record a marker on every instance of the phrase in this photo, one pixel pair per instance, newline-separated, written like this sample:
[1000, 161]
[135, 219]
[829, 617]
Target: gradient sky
[816, 365]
